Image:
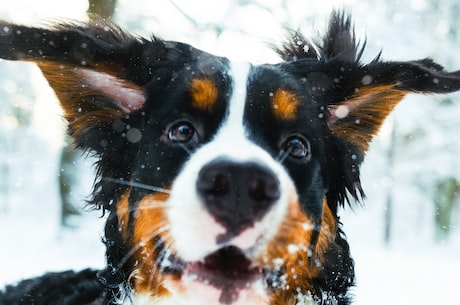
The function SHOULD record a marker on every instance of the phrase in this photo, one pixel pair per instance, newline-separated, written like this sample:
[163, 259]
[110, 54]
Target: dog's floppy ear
[362, 97]
[97, 71]
[370, 92]
[359, 97]
[355, 98]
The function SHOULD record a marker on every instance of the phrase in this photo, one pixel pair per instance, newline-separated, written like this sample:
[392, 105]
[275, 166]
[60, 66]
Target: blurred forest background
[409, 227]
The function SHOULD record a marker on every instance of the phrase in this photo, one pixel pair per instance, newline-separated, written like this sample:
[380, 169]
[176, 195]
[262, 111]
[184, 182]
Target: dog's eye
[183, 132]
[297, 147]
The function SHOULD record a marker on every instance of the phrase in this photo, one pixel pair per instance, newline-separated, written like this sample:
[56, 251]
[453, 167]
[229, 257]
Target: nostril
[264, 189]
[214, 186]
[221, 185]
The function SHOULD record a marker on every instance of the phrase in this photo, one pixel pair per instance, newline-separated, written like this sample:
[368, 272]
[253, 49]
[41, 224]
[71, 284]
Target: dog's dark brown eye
[297, 147]
[183, 132]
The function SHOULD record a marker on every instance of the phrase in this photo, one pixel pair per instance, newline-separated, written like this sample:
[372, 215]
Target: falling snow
[367, 80]
[341, 111]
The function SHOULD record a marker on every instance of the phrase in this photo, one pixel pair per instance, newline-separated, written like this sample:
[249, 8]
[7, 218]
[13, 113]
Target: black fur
[337, 275]
[63, 288]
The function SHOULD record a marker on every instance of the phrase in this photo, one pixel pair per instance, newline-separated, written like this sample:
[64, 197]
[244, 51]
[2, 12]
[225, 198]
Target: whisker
[158, 205]
[184, 147]
[151, 281]
[282, 155]
[161, 228]
[155, 275]
[138, 185]
[174, 260]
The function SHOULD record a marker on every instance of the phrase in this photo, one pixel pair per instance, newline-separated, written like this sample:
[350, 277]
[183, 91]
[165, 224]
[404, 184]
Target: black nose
[237, 194]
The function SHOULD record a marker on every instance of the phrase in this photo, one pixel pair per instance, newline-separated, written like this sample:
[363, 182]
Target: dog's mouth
[228, 267]
[228, 270]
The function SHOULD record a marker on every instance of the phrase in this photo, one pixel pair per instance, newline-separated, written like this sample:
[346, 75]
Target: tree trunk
[446, 197]
[103, 8]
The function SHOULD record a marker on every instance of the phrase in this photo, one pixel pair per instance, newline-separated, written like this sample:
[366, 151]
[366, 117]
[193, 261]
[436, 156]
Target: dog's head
[222, 179]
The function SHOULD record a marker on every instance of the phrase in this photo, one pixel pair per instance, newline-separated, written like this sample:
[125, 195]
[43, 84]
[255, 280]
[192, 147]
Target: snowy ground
[413, 269]
[412, 272]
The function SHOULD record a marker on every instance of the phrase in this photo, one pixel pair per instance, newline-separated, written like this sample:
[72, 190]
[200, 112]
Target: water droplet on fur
[278, 262]
[118, 126]
[307, 226]
[293, 248]
[367, 80]
[6, 30]
[134, 135]
[342, 112]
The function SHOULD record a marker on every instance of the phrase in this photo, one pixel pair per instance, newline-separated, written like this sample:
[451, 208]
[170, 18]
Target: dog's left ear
[365, 95]
[98, 72]
[87, 65]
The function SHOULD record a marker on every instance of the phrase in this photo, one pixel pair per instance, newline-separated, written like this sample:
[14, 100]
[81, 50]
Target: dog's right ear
[97, 71]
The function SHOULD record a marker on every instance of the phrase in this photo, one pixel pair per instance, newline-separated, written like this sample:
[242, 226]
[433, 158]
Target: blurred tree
[446, 198]
[447, 188]
[391, 147]
[67, 174]
[439, 187]
[16, 114]
[103, 8]
[5, 174]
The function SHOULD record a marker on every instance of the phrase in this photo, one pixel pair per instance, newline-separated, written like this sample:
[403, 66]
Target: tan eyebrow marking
[204, 93]
[284, 104]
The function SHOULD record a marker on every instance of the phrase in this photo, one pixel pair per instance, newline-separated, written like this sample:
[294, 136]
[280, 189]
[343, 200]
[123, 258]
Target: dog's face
[222, 179]
[242, 200]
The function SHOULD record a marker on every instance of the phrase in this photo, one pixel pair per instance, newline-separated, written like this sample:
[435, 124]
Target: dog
[222, 181]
